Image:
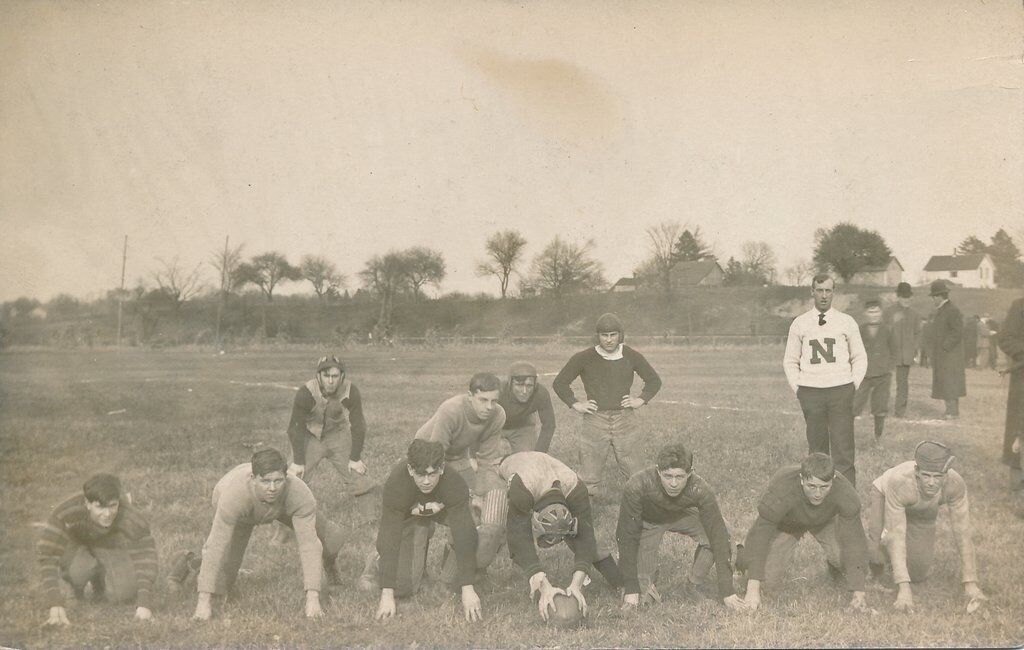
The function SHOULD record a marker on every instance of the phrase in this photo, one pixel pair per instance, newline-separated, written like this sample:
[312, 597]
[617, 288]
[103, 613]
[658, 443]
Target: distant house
[886, 275]
[975, 271]
[625, 284]
[706, 273]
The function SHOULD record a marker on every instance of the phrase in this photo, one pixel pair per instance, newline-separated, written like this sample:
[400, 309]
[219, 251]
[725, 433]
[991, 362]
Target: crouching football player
[262, 492]
[806, 498]
[548, 504]
[418, 493]
[96, 537]
[670, 497]
[905, 502]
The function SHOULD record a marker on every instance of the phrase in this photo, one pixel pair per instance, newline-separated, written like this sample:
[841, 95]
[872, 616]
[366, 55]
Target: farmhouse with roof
[625, 284]
[884, 275]
[974, 271]
[704, 273]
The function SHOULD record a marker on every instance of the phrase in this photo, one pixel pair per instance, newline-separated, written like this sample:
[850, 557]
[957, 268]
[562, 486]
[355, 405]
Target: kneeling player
[905, 503]
[671, 497]
[418, 493]
[548, 502]
[806, 498]
[261, 492]
[97, 538]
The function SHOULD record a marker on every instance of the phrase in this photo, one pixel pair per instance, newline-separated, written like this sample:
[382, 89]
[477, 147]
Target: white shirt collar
[610, 356]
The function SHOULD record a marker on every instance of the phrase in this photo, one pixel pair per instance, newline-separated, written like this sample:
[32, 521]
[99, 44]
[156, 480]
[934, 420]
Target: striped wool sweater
[69, 525]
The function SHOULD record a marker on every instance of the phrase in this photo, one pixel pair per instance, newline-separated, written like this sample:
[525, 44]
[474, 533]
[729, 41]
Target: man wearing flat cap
[905, 324]
[949, 382]
[904, 505]
[609, 411]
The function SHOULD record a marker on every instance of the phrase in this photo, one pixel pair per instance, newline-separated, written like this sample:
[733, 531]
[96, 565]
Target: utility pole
[223, 289]
[120, 295]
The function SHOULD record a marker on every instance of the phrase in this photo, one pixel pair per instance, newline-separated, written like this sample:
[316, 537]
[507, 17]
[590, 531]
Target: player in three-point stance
[262, 492]
[418, 493]
[824, 363]
[904, 505]
[96, 537]
[670, 497]
[807, 498]
[549, 504]
[609, 413]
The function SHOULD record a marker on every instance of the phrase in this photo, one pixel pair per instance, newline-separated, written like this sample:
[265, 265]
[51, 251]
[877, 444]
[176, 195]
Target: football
[565, 612]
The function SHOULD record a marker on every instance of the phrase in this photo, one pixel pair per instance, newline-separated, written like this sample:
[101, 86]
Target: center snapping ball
[565, 612]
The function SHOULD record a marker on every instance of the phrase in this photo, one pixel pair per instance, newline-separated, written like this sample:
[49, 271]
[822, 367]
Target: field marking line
[260, 383]
[734, 409]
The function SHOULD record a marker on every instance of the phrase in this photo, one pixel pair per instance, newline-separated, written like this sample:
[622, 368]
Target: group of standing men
[479, 468]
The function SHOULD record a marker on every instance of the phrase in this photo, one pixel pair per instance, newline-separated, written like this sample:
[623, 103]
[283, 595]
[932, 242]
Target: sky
[349, 129]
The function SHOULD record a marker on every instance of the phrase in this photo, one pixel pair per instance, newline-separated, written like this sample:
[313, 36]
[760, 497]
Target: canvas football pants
[650, 542]
[780, 554]
[828, 413]
[605, 431]
[491, 516]
[110, 571]
[334, 447]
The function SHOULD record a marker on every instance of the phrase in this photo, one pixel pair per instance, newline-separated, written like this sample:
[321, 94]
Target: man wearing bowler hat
[949, 382]
[905, 324]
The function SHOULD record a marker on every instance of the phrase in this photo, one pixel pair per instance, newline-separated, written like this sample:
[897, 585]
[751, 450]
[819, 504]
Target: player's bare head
[102, 488]
[674, 456]
[484, 381]
[522, 379]
[819, 466]
[425, 455]
[267, 461]
[823, 278]
[102, 498]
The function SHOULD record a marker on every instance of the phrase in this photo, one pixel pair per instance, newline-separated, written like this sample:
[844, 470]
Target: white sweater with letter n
[823, 356]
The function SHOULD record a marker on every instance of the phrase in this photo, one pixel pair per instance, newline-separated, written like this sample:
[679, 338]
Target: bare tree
[759, 261]
[423, 266]
[266, 271]
[385, 275]
[800, 272]
[662, 245]
[505, 250]
[226, 262]
[563, 268]
[323, 275]
[178, 283]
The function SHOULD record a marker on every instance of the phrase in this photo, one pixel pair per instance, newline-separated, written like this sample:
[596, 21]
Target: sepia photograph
[420, 324]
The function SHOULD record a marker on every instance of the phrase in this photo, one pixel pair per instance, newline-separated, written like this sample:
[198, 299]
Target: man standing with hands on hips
[609, 418]
[825, 362]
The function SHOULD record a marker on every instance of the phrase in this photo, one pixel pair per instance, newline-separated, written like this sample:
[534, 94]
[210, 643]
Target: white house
[884, 275]
[973, 271]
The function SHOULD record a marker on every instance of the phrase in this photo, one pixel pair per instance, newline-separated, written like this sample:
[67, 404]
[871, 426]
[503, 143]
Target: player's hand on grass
[471, 604]
[753, 597]
[204, 609]
[357, 466]
[632, 402]
[296, 470]
[57, 617]
[904, 598]
[143, 614]
[736, 603]
[630, 601]
[590, 406]
[313, 609]
[976, 595]
[858, 603]
[386, 608]
[575, 589]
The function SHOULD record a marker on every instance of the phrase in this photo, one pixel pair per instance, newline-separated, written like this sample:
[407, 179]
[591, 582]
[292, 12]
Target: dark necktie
[821, 318]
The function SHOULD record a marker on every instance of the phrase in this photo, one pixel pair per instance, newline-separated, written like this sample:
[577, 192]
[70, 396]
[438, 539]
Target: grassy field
[170, 423]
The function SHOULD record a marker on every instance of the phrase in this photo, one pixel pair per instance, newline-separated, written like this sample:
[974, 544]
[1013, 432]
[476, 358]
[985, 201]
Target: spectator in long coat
[906, 333]
[1011, 341]
[948, 381]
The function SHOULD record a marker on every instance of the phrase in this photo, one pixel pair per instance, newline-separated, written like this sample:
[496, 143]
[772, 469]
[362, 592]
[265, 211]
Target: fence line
[704, 340]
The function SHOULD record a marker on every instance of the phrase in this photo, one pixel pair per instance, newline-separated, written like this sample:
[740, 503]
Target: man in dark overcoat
[905, 324]
[1011, 341]
[948, 381]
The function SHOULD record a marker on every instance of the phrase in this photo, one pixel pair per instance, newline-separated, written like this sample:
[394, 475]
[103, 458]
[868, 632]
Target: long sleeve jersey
[906, 327]
[785, 509]
[69, 524]
[606, 380]
[904, 502]
[236, 505]
[456, 426]
[644, 500]
[880, 348]
[316, 414]
[448, 503]
[530, 475]
[823, 356]
[517, 414]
